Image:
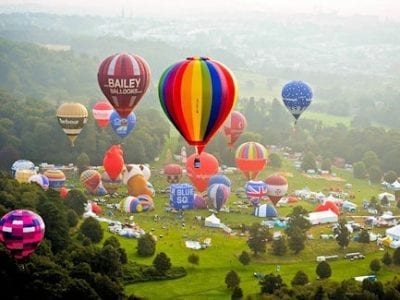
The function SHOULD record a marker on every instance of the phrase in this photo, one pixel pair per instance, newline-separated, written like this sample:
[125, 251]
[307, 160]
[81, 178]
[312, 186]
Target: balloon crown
[198, 58]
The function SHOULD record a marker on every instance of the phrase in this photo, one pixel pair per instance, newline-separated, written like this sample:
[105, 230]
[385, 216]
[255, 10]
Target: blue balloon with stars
[297, 97]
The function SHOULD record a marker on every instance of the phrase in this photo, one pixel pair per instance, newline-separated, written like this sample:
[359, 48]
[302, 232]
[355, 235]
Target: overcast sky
[382, 8]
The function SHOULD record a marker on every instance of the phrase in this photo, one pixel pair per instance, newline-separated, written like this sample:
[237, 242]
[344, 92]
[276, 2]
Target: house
[322, 217]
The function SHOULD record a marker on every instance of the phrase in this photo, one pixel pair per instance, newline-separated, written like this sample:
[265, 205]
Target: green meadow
[207, 279]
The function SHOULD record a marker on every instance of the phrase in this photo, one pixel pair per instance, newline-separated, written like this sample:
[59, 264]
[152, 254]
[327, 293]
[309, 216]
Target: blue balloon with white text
[122, 126]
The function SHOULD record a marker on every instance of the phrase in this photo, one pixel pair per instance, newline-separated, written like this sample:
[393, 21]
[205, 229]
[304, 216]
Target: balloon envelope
[40, 179]
[277, 187]
[113, 161]
[124, 78]
[111, 185]
[21, 232]
[90, 179]
[122, 126]
[56, 178]
[219, 179]
[251, 158]
[255, 191]
[22, 164]
[218, 194]
[173, 173]
[72, 117]
[181, 196]
[233, 127]
[296, 96]
[197, 95]
[101, 113]
[199, 176]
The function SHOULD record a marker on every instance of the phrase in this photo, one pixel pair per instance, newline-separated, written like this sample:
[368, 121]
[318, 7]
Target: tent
[395, 186]
[212, 221]
[388, 196]
[322, 217]
[349, 206]
[265, 211]
[328, 205]
[394, 232]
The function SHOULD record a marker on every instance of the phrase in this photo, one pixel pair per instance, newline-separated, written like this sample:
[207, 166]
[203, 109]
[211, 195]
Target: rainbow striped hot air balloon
[251, 158]
[197, 95]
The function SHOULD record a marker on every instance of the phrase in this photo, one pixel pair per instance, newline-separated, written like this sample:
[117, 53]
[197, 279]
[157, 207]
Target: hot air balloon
[197, 95]
[219, 178]
[90, 179]
[56, 178]
[233, 127]
[122, 126]
[101, 113]
[113, 161]
[199, 202]
[296, 96]
[22, 164]
[255, 191]
[21, 232]
[173, 173]
[72, 117]
[40, 179]
[22, 176]
[218, 194]
[124, 78]
[277, 187]
[181, 196]
[251, 158]
[200, 176]
[138, 185]
[111, 185]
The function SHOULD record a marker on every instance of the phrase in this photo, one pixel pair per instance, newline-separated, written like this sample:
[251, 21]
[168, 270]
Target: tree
[300, 278]
[193, 259]
[396, 256]
[271, 283]
[309, 162]
[82, 162]
[343, 234]
[232, 279]
[244, 258]
[387, 259]
[91, 228]
[296, 240]
[274, 160]
[364, 236]
[375, 265]
[326, 165]
[146, 245]
[257, 241]
[390, 176]
[297, 219]
[162, 263]
[320, 293]
[76, 200]
[237, 293]
[323, 270]
[72, 218]
[279, 247]
[375, 174]
[359, 170]
[384, 201]
[370, 159]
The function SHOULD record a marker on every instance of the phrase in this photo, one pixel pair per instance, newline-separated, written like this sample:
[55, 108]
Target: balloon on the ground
[124, 78]
[146, 201]
[63, 192]
[101, 113]
[145, 170]
[219, 179]
[233, 127]
[113, 161]
[265, 211]
[255, 191]
[40, 179]
[111, 185]
[22, 176]
[56, 178]
[197, 95]
[296, 96]
[328, 205]
[72, 117]
[218, 194]
[21, 232]
[151, 188]
[181, 196]
[199, 202]
[132, 204]
[277, 187]
[251, 158]
[200, 176]
[96, 208]
[173, 173]
[90, 179]
[122, 126]
[137, 185]
[129, 171]
[22, 164]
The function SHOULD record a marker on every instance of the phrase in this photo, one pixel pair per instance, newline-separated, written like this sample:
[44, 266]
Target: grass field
[206, 281]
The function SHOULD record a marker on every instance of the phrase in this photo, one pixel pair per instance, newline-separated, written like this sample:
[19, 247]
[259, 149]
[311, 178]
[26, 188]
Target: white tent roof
[394, 232]
[326, 216]
[212, 221]
[395, 186]
[389, 196]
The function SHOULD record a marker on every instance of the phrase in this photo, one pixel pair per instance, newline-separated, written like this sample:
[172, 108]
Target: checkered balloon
[21, 232]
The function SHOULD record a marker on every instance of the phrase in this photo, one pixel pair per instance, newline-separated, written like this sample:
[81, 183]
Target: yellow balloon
[72, 116]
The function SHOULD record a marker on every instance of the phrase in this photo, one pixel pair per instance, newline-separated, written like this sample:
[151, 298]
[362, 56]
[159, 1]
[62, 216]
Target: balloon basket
[196, 163]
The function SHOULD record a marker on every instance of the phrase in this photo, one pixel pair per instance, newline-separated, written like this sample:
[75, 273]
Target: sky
[382, 8]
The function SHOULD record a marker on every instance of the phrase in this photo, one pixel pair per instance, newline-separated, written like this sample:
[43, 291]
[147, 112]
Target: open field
[206, 281]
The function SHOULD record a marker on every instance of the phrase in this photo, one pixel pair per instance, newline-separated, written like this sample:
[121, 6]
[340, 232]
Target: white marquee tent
[394, 232]
[322, 217]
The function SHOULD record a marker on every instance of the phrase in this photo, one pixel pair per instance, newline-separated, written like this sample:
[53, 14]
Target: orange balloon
[137, 185]
[200, 174]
